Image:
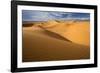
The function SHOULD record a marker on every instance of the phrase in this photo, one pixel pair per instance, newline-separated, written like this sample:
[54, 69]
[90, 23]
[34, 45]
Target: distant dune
[56, 40]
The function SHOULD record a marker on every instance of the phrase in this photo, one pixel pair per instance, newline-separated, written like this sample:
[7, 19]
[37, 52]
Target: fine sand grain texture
[56, 40]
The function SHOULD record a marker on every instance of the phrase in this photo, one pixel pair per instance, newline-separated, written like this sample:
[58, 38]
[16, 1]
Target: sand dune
[76, 31]
[50, 42]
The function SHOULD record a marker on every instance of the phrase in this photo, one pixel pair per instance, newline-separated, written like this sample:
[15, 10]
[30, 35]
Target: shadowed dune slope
[76, 31]
[39, 45]
[54, 35]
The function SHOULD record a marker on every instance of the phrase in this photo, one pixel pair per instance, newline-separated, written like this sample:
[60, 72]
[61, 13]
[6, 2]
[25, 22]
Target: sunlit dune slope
[76, 31]
[42, 45]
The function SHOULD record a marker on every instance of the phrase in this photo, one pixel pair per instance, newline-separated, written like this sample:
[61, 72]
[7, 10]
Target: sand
[76, 31]
[53, 40]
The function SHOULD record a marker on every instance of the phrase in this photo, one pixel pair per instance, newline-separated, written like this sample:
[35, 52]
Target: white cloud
[45, 15]
[41, 16]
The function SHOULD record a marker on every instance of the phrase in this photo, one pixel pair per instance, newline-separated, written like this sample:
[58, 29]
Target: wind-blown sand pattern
[56, 40]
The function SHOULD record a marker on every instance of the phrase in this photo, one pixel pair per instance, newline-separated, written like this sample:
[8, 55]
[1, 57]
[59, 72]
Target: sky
[32, 15]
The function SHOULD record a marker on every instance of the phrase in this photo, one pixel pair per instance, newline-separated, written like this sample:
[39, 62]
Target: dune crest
[38, 46]
[56, 40]
[77, 32]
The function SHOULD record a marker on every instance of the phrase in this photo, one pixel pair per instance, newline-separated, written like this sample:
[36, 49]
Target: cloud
[60, 14]
[36, 16]
[30, 15]
[42, 16]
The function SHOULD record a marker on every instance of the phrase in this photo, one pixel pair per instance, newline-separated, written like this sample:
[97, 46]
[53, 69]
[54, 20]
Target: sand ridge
[56, 40]
[78, 32]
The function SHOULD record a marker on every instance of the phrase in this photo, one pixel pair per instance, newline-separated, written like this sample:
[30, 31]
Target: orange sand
[52, 40]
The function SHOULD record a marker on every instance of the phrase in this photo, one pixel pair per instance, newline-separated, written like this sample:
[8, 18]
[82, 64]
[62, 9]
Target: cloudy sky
[32, 15]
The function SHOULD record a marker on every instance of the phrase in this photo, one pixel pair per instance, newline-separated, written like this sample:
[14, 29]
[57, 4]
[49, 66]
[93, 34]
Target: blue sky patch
[32, 15]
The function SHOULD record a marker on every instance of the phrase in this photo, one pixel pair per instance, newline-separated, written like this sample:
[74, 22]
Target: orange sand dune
[46, 43]
[76, 31]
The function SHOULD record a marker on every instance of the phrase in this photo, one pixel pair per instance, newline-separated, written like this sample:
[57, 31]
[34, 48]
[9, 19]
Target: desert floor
[56, 40]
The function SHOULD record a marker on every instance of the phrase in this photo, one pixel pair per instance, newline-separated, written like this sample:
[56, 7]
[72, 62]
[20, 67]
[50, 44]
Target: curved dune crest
[40, 47]
[54, 42]
[78, 32]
